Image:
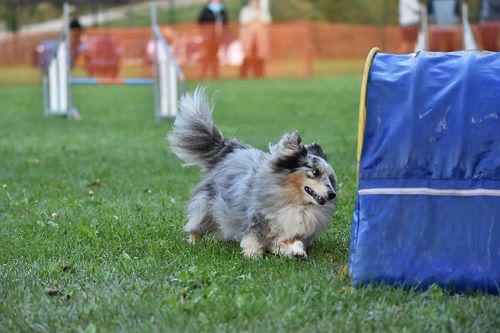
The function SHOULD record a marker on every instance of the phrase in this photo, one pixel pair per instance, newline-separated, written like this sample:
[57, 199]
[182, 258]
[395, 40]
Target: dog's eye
[315, 172]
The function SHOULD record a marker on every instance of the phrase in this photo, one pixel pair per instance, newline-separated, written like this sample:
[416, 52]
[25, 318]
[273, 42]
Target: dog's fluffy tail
[195, 138]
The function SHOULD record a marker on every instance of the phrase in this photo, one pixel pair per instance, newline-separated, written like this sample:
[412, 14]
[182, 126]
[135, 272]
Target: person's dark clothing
[75, 24]
[76, 33]
[212, 24]
[208, 16]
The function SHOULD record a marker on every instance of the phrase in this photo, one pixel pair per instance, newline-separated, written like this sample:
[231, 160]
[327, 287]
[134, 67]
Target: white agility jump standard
[469, 43]
[57, 80]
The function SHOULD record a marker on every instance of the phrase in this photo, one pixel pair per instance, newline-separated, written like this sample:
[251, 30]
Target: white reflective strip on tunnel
[429, 191]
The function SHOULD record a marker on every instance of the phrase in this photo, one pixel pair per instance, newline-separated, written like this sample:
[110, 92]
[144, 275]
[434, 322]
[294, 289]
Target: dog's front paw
[252, 254]
[298, 251]
[300, 254]
[250, 247]
[290, 249]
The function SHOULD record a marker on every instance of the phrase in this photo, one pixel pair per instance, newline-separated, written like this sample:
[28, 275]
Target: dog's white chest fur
[303, 222]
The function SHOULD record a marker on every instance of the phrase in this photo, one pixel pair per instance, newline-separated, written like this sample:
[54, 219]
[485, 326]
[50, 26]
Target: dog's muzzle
[317, 198]
[331, 195]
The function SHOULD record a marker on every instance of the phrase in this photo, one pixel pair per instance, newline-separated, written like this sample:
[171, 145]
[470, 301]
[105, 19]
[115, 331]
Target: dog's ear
[288, 153]
[290, 144]
[315, 149]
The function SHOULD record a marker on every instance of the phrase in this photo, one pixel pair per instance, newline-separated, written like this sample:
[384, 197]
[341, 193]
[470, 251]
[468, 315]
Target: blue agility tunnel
[428, 199]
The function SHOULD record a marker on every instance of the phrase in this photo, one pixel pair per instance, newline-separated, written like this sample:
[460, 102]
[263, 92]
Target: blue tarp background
[432, 121]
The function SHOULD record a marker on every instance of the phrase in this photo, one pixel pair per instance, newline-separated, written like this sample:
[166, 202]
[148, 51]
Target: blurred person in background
[409, 20]
[254, 38]
[489, 24]
[212, 19]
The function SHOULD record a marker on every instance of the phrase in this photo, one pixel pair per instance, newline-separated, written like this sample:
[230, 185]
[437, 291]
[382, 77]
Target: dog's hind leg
[200, 221]
[197, 229]
[194, 238]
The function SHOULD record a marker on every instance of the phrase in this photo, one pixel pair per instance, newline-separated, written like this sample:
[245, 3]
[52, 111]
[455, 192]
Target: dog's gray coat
[253, 197]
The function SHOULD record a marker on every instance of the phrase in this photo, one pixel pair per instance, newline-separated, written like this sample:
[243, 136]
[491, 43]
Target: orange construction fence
[296, 48]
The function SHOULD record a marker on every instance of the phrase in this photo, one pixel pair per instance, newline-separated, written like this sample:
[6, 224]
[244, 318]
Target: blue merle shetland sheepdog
[277, 201]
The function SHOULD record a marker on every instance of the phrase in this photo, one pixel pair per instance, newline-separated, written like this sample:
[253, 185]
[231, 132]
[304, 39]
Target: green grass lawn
[91, 214]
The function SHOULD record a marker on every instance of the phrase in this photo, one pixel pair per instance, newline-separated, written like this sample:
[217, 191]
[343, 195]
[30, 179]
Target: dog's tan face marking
[293, 185]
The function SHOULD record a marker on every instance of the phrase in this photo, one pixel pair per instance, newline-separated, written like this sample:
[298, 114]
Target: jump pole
[57, 79]
[111, 81]
[57, 74]
[167, 73]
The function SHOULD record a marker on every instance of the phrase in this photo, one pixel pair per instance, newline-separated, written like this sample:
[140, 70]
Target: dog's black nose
[331, 195]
